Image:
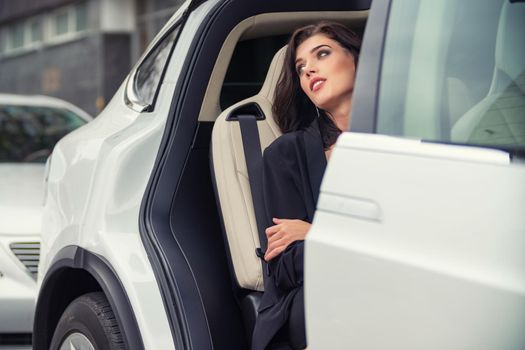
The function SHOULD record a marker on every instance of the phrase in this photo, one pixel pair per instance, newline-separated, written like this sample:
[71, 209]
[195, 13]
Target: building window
[35, 31]
[3, 43]
[16, 36]
[70, 20]
[61, 23]
[81, 15]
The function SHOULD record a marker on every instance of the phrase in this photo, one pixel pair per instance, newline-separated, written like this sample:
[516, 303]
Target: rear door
[419, 236]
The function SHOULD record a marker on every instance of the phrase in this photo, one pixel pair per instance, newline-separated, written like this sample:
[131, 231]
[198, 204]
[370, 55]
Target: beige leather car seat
[231, 177]
[499, 118]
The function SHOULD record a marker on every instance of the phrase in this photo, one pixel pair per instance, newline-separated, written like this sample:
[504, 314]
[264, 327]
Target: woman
[312, 105]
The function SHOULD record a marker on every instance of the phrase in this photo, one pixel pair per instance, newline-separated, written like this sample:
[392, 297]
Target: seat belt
[254, 162]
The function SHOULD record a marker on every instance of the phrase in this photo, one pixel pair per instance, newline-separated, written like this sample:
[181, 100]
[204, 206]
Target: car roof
[42, 101]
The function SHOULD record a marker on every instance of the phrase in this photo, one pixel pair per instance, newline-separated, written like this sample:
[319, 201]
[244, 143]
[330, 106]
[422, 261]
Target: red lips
[315, 80]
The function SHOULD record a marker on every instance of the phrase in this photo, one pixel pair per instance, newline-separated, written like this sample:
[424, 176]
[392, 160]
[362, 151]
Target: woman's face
[326, 72]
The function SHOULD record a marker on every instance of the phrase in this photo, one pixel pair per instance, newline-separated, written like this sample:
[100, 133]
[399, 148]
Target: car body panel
[413, 254]
[78, 180]
[95, 187]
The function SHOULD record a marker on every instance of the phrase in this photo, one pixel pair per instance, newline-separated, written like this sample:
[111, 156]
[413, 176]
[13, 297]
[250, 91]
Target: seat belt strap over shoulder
[254, 162]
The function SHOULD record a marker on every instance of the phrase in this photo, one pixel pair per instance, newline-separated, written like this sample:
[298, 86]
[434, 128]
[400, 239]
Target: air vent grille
[29, 254]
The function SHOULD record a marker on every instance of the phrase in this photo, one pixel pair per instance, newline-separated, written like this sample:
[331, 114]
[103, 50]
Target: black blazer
[294, 165]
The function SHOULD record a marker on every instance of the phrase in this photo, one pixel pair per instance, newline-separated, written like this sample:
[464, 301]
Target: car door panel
[418, 246]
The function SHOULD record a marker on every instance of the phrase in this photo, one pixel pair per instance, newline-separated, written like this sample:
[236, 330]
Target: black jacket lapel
[315, 159]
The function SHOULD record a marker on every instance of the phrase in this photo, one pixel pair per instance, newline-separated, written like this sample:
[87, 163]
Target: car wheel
[88, 323]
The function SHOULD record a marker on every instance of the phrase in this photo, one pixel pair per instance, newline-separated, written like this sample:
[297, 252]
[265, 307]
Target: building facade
[77, 50]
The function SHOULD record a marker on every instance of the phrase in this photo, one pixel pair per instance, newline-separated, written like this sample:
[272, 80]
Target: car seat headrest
[274, 72]
[510, 47]
[497, 118]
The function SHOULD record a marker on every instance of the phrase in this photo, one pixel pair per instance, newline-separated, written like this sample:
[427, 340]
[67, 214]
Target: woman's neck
[341, 115]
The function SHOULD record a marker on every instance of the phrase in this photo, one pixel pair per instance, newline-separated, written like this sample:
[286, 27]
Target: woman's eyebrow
[318, 47]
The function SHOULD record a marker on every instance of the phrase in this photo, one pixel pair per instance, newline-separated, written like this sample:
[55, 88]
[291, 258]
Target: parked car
[149, 232]
[29, 128]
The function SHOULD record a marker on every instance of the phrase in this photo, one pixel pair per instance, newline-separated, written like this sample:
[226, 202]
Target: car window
[28, 133]
[149, 73]
[454, 71]
[248, 67]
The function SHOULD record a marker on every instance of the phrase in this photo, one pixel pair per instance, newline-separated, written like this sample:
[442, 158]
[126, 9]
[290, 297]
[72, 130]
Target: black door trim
[364, 110]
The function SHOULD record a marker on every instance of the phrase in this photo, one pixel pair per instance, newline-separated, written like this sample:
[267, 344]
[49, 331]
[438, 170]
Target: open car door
[418, 241]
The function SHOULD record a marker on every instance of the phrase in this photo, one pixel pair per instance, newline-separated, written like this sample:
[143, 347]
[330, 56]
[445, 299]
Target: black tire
[91, 316]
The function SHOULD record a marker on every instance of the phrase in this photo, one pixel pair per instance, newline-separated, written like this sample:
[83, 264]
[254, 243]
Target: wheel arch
[74, 272]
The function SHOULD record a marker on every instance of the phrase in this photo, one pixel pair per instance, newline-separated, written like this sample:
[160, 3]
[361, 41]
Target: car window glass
[248, 67]
[454, 71]
[28, 133]
[149, 73]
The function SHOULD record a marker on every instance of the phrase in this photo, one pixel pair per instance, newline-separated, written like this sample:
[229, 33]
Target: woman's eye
[300, 69]
[323, 53]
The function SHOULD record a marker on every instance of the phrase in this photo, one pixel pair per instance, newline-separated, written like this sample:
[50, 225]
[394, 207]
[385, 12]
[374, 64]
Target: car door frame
[171, 268]
[367, 88]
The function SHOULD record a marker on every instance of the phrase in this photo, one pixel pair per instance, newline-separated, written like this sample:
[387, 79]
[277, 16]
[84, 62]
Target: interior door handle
[350, 206]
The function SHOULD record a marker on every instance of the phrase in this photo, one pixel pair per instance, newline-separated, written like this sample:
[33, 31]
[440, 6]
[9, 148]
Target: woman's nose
[311, 69]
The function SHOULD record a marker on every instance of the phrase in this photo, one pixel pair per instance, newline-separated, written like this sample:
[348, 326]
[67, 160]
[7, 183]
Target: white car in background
[30, 126]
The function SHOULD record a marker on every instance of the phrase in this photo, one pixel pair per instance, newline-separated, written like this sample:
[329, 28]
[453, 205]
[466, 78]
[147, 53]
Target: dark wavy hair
[292, 109]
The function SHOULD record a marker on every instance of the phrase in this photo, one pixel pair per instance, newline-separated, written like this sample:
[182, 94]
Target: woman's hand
[282, 234]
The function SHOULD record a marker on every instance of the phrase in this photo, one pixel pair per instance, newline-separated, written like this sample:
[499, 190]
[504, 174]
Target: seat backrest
[499, 117]
[231, 177]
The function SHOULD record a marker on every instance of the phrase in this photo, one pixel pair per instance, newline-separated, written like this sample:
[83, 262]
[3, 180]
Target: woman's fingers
[275, 228]
[276, 236]
[270, 254]
[281, 235]
[279, 225]
[270, 231]
[276, 247]
[278, 242]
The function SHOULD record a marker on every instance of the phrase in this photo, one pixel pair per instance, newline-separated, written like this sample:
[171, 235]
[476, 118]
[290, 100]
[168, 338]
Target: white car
[149, 228]
[29, 128]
